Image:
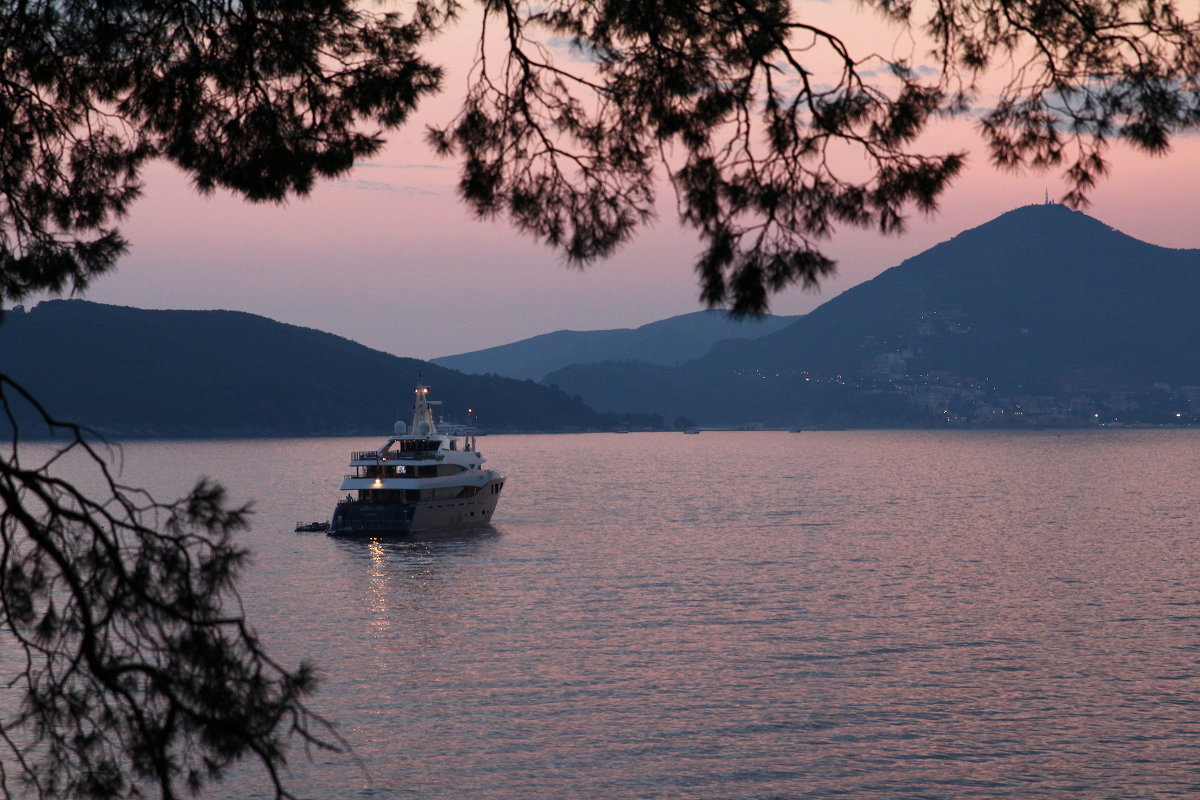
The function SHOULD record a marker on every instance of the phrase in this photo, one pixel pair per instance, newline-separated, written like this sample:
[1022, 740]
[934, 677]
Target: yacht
[418, 480]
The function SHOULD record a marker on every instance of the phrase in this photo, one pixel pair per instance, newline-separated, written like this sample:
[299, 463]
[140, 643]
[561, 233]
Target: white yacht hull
[366, 519]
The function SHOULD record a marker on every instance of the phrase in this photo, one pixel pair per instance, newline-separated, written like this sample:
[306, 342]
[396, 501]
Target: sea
[876, 615]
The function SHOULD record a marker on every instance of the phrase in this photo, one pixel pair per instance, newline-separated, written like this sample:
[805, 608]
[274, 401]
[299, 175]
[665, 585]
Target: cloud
[358, 184]
[921, 71]
[406, 182]
[377, 165]
[574, 50]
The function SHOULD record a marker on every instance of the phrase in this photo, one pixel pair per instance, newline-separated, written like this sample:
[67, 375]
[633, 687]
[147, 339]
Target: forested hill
[133, 372]
[1042, 307]
[667, 341]
[1040, 296]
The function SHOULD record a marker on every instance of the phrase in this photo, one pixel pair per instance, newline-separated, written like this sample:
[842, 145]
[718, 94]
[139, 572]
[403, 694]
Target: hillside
[1041, 302]
[1039, 296]
[666, 342]
[133, 372]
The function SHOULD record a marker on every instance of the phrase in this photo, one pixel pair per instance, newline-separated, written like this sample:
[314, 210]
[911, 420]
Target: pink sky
[390, 258]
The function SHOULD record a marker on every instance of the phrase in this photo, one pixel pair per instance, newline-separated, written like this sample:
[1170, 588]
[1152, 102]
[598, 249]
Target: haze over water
[746, 615]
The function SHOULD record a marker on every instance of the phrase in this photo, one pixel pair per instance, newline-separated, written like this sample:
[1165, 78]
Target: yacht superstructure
[417, 480]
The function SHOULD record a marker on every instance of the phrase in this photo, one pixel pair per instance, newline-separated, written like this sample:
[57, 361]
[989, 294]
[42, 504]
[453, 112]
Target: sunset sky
[389, 257]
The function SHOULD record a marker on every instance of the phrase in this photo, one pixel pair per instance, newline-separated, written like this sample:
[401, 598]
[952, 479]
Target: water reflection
[431, 546]
[406, 576]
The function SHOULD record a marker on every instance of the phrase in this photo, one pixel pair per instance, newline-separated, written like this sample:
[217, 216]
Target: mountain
[133, 372]
[1036, 296]
[669, 341]
[1041, 302]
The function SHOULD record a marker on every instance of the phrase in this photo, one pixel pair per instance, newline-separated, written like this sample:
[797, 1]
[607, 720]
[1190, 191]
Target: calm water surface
[746, 615]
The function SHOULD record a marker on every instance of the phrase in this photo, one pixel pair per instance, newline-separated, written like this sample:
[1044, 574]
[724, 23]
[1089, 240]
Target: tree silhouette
[136, 666]
[771, 131]
[139, 670]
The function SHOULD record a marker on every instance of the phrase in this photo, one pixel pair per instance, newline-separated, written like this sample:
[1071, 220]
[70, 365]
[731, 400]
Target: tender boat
[418, 480]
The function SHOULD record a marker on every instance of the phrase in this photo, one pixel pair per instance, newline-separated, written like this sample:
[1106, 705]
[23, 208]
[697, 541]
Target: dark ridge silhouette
[1030, 297]
[132, 372]
[666, 342]
[1041, 300]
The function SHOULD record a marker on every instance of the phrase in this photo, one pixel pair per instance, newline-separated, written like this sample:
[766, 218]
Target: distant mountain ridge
[133, 372]
[1042, 302]
[1032, 297]
[669, 341]
[1043, 315]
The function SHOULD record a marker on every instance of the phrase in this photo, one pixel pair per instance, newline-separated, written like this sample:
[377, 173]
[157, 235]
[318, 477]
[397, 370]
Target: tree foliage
[257, 97]
[123, 638]
[772, 131]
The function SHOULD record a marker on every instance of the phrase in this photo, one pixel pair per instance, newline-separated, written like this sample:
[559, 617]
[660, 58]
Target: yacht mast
[422, 424]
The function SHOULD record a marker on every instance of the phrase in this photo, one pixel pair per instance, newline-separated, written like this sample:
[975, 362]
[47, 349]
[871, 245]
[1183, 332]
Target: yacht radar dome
[400, 428]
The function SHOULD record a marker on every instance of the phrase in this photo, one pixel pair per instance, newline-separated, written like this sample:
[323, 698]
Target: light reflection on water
[747, 615]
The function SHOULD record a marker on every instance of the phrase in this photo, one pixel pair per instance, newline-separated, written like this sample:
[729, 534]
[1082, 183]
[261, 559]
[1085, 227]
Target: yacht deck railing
[393, 455]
